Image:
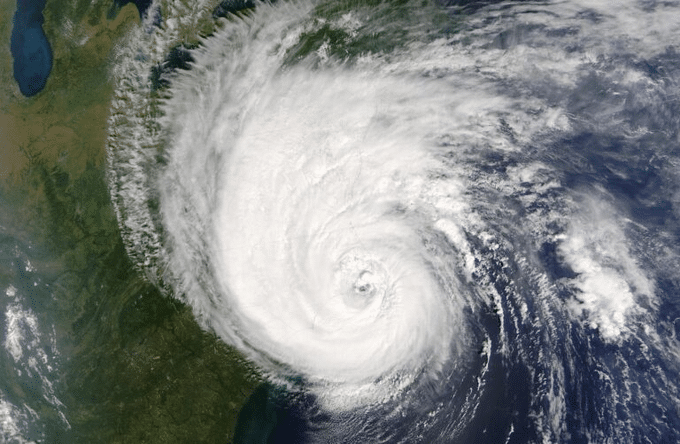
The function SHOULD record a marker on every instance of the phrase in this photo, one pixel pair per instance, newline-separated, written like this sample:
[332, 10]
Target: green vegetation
[137, 368]
[344, 30]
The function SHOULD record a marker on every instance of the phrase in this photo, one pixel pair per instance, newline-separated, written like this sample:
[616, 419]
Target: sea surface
[344, 221]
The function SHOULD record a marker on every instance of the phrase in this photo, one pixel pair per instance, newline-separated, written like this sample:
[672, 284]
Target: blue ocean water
[622, 175]
[525, 155]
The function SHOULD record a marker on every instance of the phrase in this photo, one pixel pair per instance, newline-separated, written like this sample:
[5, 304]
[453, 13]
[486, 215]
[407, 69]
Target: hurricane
[424, 221]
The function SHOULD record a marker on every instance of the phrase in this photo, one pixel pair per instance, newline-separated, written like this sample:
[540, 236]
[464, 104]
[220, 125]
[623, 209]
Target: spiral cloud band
[424, 216]
[317, 241]
[317, 212]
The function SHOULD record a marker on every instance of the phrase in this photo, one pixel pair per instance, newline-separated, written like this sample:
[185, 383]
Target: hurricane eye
[421, 221]
[363, 285]
[363, 289]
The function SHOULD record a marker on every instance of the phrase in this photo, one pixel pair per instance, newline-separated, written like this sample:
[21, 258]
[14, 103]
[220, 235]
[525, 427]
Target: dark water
[563, 364]
[30, 49]
[576, 225]
[82, 332]
[573, 236]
